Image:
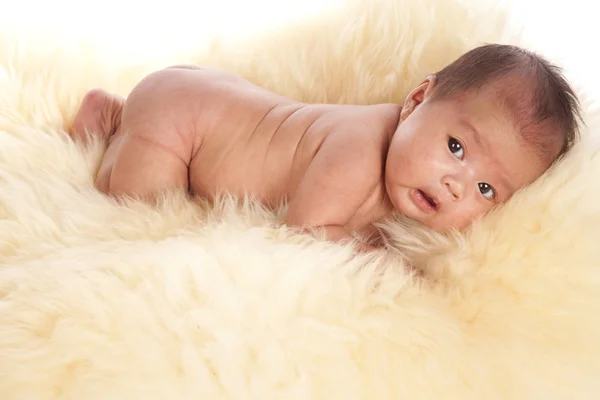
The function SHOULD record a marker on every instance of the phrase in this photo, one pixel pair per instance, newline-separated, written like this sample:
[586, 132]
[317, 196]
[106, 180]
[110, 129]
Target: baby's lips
[432, 199]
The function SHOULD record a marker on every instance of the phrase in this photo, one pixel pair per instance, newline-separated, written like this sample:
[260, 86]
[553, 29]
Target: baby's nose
[454, 187]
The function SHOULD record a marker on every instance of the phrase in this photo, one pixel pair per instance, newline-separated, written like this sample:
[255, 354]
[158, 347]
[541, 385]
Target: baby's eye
[487, 191]
[456, 148]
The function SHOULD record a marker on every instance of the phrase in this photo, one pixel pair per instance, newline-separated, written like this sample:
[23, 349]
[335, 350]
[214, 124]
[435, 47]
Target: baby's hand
[366, 248]
[336, 233]
[340, 234]
[332, 233]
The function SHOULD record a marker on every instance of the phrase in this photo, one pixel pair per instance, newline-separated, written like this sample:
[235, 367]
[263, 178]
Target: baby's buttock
[260, 150]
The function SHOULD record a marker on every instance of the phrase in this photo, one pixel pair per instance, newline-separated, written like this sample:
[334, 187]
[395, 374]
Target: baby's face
[451, 161]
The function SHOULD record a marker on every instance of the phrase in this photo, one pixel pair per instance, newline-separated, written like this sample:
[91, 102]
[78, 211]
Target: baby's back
[250, 141]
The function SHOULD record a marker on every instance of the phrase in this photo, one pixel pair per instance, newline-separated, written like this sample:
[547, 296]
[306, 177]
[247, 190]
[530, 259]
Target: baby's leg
[139, 161]
[100, 115]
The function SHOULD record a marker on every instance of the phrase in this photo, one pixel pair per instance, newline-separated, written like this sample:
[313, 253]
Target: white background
[568, 29]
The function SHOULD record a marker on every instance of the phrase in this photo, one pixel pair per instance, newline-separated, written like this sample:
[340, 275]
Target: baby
[464, 141]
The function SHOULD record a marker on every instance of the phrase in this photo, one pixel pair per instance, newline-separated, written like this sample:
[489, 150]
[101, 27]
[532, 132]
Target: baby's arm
[339, 180]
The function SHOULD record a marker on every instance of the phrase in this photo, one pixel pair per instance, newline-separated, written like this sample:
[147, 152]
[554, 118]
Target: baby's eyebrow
[474, 132]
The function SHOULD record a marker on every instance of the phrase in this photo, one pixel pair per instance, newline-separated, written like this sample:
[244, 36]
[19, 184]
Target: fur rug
[106, 301]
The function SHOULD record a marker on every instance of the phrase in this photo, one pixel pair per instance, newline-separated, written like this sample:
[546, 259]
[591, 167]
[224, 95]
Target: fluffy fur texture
[100, 300]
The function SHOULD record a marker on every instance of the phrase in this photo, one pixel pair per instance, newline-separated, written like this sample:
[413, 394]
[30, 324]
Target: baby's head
[476, 132]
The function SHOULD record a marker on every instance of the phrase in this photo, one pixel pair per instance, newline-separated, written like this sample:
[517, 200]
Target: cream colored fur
[107, 301]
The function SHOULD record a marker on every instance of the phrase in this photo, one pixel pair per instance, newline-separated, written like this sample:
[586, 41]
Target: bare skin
[209, 132]
[341, 168]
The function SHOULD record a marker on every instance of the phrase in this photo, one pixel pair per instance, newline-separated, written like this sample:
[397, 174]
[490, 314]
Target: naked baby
[465, 140]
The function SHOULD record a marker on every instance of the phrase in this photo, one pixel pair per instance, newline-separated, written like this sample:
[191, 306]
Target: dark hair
[533, 90]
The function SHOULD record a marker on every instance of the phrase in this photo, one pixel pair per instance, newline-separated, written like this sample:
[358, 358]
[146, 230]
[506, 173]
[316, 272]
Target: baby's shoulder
[363, 136]
[353, 155]
[368, 126]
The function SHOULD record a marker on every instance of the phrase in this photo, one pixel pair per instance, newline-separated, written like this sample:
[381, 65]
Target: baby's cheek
[391, 174]
[398, 166]
[482, 210]
[469, 212]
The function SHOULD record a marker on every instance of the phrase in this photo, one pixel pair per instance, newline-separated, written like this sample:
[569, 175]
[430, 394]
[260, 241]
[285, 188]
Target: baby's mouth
[429, 199]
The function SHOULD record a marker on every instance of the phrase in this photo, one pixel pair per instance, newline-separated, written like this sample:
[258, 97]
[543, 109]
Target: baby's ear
[417, 96]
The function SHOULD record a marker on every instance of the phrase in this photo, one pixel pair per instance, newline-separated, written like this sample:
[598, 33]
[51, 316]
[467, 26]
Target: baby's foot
[98, 115]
